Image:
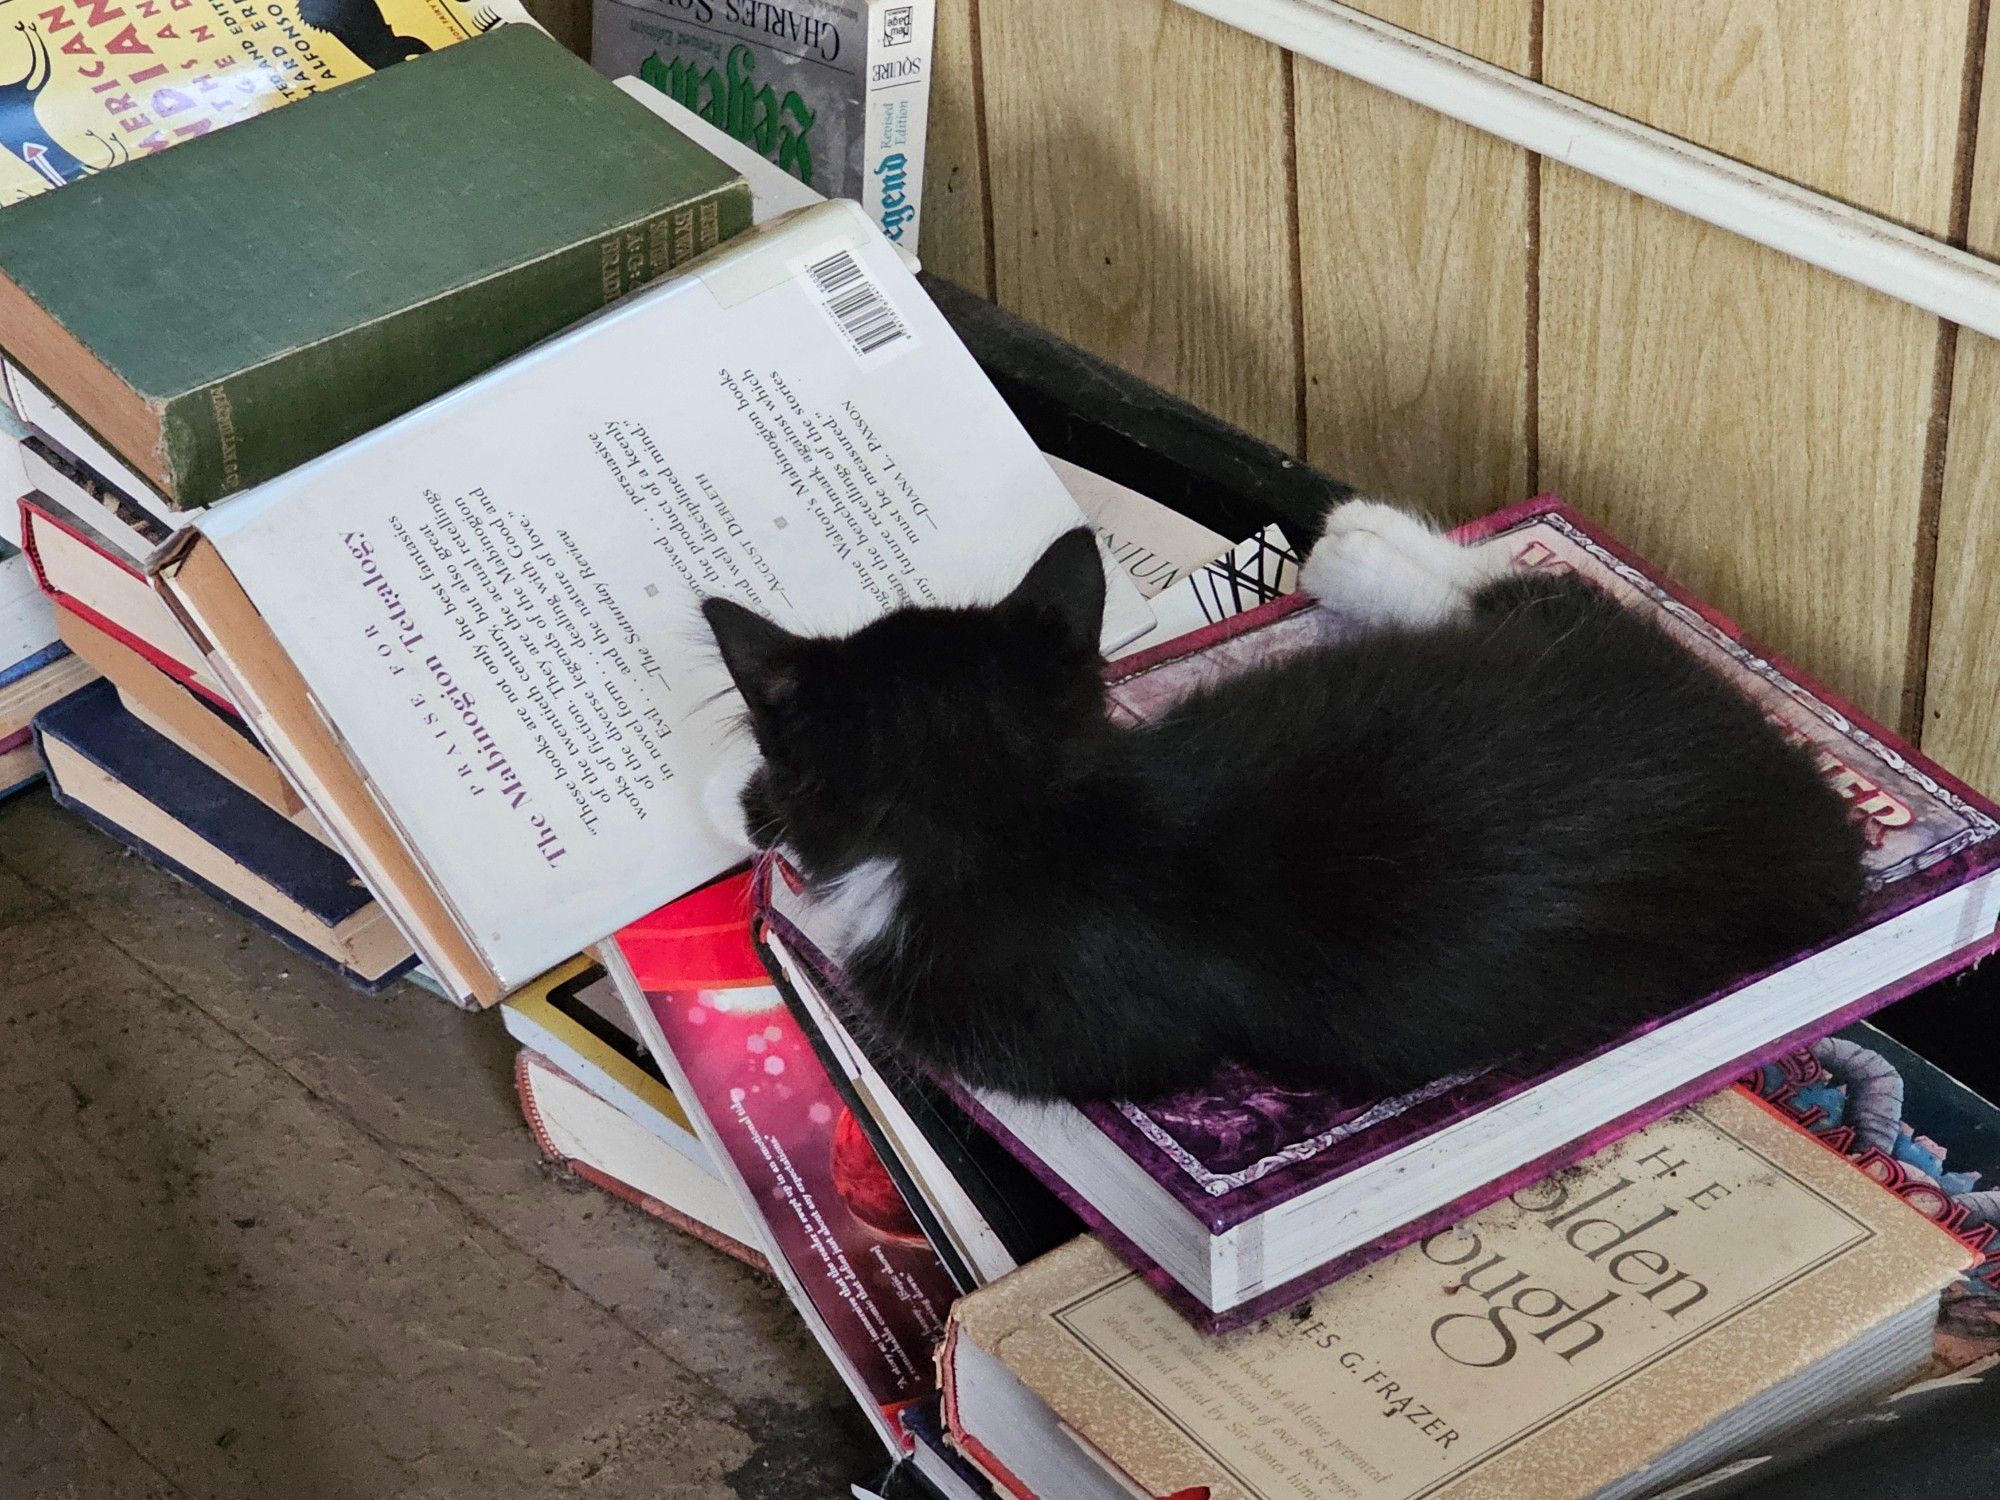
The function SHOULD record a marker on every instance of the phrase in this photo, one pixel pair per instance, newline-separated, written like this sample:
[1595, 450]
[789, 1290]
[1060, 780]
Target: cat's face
[922, 720]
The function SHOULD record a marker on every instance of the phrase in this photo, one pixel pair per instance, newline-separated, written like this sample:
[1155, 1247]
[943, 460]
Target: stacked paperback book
[375, 613]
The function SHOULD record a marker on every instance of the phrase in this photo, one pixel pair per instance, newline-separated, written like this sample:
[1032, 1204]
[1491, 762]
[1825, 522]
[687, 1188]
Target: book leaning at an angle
[983, 1211]
[574, 1017]
[1243, 1196]
[176, 813]
[79, 566]
[473, 640]
[208, 373]
[1685, 1293]
[212, 735]
[828, 1216]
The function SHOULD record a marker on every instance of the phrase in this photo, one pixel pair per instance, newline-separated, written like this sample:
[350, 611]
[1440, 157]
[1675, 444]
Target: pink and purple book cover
[839, 1233]
[1240, 1147]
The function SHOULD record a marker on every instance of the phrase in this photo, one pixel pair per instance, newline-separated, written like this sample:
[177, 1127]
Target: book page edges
[125, 420]
[1901, 1261]
[171, 710]
[526, 1064]
[361, 943]
[536, 1005]
[212, 606]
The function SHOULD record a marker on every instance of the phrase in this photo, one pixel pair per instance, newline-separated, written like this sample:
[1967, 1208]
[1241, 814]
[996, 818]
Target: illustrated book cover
[829, 1218]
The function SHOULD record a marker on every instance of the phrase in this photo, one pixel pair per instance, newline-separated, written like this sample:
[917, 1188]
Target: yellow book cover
[553, 1017]
[93, 83]
[1574, 1339]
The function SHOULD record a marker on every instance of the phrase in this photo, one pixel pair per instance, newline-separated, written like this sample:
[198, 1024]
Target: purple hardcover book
[1240, 1198]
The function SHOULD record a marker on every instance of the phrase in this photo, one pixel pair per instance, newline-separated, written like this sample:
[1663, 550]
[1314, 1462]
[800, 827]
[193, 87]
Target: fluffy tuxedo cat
[1513, 818]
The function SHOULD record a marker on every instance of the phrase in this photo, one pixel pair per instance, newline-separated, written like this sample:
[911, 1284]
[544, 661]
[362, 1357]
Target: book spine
[896, 90]
[263, 421]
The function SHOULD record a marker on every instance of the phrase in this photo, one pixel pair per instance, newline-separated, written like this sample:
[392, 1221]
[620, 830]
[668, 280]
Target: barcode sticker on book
[858, 306]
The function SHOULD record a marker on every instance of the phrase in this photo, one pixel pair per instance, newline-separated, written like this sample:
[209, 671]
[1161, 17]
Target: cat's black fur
[1366, 867]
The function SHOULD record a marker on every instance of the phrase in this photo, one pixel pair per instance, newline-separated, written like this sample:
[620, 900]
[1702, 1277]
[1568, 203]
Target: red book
[78, 567]
[833, 1226]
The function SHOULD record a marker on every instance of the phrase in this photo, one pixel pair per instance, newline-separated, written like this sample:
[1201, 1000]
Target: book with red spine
[81, 569]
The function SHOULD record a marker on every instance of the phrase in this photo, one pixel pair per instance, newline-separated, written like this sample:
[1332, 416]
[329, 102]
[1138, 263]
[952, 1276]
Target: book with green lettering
[256, 297]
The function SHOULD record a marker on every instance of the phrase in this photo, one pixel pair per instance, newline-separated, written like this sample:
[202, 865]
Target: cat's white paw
[1385, 566]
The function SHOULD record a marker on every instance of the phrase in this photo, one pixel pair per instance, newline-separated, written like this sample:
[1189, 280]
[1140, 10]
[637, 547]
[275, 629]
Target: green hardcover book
[220, 313]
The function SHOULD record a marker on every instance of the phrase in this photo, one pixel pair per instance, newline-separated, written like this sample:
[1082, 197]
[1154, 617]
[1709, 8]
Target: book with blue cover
[175, 812]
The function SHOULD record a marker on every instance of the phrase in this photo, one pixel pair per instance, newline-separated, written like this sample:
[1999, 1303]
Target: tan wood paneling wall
[1093, 110]
[1434, 315]
[1413, 259]
[1962, 707]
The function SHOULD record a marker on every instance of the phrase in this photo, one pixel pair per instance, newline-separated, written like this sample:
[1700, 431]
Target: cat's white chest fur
[853, 908]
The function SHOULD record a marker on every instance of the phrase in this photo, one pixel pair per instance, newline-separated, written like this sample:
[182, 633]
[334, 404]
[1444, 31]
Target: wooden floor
[261, 1236]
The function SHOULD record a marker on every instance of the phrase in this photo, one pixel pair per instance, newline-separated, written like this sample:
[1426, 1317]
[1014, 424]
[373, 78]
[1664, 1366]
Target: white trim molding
[1861, 247]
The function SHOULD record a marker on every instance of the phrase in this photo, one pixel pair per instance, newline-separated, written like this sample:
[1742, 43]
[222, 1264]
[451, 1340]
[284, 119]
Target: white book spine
[898, 84]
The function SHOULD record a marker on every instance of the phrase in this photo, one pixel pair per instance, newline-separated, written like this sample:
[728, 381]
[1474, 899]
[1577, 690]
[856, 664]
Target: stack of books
[387, 602]
[35, 668]
[195, 38]
[145, 401]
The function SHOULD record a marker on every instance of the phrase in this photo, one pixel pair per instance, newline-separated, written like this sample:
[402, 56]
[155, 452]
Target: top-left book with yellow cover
[258, 296]
[96, 84]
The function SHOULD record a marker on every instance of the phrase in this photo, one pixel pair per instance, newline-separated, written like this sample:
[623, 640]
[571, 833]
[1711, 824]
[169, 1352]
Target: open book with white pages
[472, 638]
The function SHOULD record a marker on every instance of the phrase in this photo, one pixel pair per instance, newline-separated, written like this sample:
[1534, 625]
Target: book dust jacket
[840, 1231]
[1570, 1334]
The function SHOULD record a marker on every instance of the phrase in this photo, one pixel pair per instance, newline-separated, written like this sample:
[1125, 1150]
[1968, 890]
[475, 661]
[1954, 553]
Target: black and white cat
[1512, 818]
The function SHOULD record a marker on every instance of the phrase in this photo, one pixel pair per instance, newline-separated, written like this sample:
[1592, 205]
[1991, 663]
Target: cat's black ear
[1066, 584]
[762, 658]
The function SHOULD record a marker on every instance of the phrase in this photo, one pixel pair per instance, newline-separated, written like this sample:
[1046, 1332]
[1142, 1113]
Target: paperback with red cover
[836, 1230]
